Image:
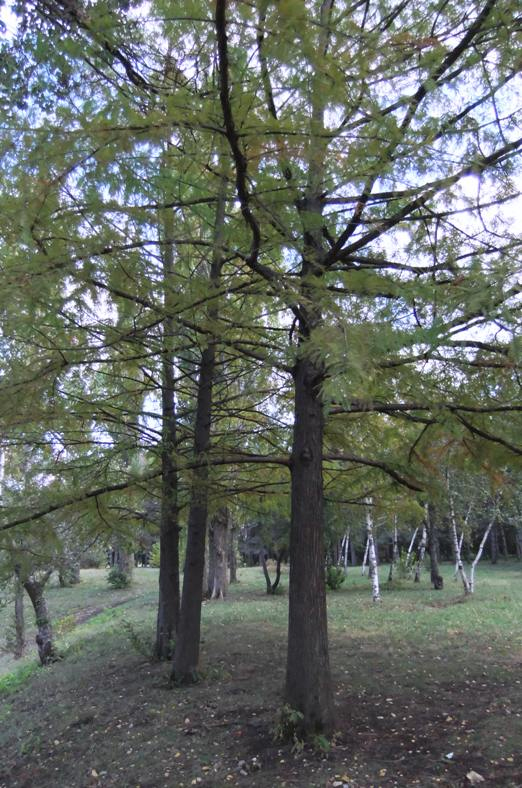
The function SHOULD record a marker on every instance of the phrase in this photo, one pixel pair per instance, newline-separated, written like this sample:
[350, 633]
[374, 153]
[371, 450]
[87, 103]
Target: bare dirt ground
[438, 713]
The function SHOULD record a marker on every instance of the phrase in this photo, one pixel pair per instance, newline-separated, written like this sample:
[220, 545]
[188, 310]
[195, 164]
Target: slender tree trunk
[410, 547]
[519, 543]
[365, 557]
[372, 555]
[345, 551]
[395, 551]
[494, 544]
[420, 554]
[271, 587]
[457, 547]
[186, 654]
[168, 582]
[218, 543]
[434, 549]
[232, 553]
[353, 553]
[19, 622]
[503, 541]
[308, 683]
[44, 635]
[480, 551]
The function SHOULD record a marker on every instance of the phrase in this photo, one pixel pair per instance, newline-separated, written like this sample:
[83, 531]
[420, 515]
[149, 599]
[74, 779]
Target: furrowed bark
[308, 684]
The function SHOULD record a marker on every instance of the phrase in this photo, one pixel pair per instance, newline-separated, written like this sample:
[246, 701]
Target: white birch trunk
[346, 546]
[372, 555]
[410, 548]
[480, 551]
[459, 566]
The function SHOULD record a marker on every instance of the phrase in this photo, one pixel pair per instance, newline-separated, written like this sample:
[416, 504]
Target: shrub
[154, 558]
[117, 579]
[335, 577]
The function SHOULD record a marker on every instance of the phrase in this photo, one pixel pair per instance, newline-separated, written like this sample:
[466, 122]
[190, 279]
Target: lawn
[428, 689]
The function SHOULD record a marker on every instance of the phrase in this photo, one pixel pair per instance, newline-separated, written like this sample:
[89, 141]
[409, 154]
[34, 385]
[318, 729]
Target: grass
[418, 677]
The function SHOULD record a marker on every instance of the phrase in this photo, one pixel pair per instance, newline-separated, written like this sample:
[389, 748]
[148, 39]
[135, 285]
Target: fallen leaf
[474, 777]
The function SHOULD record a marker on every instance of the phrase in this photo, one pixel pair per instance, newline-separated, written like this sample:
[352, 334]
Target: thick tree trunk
[218, 545]
[434, 550]
[308, 683]
[44, 635]
[19, 622]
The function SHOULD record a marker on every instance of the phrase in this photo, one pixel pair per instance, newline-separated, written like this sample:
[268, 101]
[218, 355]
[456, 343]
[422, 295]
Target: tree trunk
[232, 554]
[44, 635]
[372, 555]
[494, 544]
[434, 550]
[420, 554]
[271, 588]
[186, 654]
[19, 622]
[308, 683]
[457, 547]
[503, 541]
[353, 553]
[218, 544]
[168, 581]
[365, 557]
[519, 543]
[480, 551]
[395, 551]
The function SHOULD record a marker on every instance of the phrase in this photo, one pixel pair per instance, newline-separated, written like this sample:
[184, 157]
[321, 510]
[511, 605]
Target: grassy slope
[420, 676]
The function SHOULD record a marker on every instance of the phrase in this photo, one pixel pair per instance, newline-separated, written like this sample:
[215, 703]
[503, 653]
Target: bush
[154, 558]
[93, 559]
[335, 577]
[117, 579]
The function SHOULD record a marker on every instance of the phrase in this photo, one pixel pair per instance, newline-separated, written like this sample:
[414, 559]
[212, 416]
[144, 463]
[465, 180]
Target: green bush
[154, 559]
[117, 579]
[335, 577]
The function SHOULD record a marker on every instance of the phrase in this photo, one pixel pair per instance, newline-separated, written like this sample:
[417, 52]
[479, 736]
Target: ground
[428, 690]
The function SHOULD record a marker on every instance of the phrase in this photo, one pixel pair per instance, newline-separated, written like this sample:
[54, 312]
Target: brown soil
[404, 719]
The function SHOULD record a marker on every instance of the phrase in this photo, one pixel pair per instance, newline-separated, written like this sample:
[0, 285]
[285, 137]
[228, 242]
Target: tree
[372, 154]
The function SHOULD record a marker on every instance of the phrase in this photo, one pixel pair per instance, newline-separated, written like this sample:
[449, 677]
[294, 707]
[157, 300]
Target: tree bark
[372, 555]
[457, 547]
[232, 553]
[44, 635]
[186, 654]
[494, 543]
[395, 551]
[308, 683]
[19, 622]
[420, 554]
[434, 549]
[218, 544]
[168, 581]
[480, 551]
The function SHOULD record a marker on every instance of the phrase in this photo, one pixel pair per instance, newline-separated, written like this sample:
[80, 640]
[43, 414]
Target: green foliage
[116, 578]
[288, 727]
[154, 559]
[335, 577]
[137, 640]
